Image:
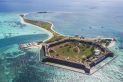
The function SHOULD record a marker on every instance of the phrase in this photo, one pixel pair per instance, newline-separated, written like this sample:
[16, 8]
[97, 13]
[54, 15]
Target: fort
[76, 52]
[85, 64]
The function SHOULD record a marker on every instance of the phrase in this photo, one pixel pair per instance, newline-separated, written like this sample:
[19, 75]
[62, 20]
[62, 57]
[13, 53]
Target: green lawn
[71, 50]
[46, 26]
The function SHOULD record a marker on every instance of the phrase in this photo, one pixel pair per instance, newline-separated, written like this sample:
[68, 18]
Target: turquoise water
[12, 33]
[17, 65]
[87, 25]
[11, 26]
[89, 18]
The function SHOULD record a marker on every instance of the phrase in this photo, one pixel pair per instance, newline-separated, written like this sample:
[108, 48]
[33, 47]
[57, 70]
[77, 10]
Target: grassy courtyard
[73, 51]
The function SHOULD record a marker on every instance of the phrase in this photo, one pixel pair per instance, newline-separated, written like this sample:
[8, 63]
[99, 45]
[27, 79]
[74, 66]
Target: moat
[76, 52]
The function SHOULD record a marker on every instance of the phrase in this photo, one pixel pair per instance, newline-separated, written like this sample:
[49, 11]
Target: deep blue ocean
[90, 18]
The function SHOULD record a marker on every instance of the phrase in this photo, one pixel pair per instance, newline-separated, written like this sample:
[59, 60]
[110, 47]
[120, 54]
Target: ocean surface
[76, 17]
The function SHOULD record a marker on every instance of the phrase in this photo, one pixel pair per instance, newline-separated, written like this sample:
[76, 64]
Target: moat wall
[66, 63]
[76, 40]
[110, 54]
[81, 66]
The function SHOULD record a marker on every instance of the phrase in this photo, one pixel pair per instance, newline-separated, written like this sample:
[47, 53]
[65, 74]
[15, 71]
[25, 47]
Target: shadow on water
[22, 39]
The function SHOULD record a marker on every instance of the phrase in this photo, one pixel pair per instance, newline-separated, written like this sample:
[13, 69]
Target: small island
[77, 52]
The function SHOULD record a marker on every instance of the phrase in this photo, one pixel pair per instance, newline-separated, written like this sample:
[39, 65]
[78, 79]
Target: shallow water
[12, 33]
[17, 65]
[83, 17]
[66, 23]
[11, 26]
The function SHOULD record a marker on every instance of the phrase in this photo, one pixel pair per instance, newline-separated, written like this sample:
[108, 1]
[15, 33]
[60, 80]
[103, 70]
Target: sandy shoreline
[52, 28]
[49, 33]
[111, 44]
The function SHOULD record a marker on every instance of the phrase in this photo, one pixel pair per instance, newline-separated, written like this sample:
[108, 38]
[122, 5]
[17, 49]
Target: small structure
[29, 45]
[96, 51]
[85, 62]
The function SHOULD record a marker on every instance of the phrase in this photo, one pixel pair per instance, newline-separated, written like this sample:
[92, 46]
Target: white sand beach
[49, 33]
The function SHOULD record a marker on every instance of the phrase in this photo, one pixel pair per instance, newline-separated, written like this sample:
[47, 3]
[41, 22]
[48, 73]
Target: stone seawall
[101, 59]
[66, 63]
[86, 67]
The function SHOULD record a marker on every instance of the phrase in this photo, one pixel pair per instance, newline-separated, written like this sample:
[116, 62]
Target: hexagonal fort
[75, 52]
[78, 53]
